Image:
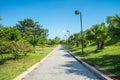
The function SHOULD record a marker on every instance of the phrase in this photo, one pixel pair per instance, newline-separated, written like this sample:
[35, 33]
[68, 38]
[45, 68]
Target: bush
[15, 47]
[4, 47]
[21, 47]
[24, 46]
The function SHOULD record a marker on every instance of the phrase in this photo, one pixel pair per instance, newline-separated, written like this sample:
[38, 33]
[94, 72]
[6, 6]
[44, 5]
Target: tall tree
[31, 30]
[26, 27]
[114, 26]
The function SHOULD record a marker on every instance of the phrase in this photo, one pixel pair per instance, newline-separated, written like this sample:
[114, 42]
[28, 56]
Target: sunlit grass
[10, 68]
[108, 58]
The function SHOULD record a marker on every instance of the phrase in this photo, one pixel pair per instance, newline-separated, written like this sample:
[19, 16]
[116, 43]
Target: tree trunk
[97, 45]
[77, 44]
[85, 45]
[100, 45]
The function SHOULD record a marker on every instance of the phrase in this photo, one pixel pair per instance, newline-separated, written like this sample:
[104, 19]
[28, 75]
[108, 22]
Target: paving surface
[60, 65]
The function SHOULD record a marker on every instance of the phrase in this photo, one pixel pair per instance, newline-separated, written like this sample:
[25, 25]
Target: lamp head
[77, 12]
[68, 31]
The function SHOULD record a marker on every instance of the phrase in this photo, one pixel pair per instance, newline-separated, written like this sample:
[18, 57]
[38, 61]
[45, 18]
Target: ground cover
[107, 58]
[10, 68]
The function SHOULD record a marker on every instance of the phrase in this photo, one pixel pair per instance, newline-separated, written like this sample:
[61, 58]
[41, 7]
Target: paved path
[60, 65]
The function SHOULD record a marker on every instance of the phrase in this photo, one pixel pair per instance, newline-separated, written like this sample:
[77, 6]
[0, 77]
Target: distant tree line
[99, 34]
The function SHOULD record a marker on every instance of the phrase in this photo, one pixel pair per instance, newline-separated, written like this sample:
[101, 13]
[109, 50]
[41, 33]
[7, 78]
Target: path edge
[23, 74]
[94, 70]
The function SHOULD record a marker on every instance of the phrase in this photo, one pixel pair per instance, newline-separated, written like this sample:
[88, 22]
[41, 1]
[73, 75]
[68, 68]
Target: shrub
[4, 47]
[16, 48]
[21, 47]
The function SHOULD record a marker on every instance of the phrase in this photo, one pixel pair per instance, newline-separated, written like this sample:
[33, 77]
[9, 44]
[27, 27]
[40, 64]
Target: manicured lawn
[108, 58]
[10, 68]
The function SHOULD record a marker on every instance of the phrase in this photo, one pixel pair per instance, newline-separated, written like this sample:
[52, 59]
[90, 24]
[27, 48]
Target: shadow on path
[74, 67]
[67, 55]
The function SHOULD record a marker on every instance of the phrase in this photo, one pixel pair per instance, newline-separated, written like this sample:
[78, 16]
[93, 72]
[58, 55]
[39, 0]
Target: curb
[22, 75]
[94, 70]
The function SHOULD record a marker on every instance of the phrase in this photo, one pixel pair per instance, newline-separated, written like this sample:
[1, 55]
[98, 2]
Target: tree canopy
[19, 38]
[114, 26]
[99, 33]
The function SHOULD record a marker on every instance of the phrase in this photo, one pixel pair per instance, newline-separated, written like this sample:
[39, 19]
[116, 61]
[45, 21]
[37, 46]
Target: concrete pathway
[60, 65]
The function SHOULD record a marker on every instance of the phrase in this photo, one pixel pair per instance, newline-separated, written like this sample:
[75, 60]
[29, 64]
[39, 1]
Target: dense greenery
[114, 26]
[31, 31]
[107, 41]
[99, 33]
[22, 38]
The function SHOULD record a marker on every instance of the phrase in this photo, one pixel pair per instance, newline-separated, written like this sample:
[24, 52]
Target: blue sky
[58, 15]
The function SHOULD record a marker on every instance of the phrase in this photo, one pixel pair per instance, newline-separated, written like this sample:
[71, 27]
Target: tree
[4, 47]
[98, 33]
[114, 26]
[32, 31]
[9, 33]
[12, 34]
[51, 42]
[57, 40]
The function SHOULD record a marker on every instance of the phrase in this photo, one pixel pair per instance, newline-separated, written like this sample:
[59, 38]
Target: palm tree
[97, 33]
[114, 26]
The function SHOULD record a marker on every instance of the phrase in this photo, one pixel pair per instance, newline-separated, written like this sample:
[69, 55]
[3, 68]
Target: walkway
[60, 65]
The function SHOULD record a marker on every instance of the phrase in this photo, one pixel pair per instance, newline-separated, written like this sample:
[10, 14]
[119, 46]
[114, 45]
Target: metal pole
[68, 37]
[81, 32]
[66, 40]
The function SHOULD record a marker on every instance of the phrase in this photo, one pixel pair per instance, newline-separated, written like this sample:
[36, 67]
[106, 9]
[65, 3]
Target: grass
[108, 58]
[10, 68]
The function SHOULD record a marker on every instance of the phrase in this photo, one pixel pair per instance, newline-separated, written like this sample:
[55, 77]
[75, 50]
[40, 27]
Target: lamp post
[77, 12]
[68, 37]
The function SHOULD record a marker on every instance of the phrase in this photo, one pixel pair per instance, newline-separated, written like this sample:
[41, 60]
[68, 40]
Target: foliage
[98, 33]
[15, 47]
[20, 47]
[57, 40]
[32, 31]
[75, 39]
[9, 34]
[4, 47]
[51, 42]
[22, 25]
[107, 58]
[114, 26]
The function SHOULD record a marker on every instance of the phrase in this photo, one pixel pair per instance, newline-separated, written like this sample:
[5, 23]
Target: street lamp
[68, 37]
[65, 38]
[77, 12]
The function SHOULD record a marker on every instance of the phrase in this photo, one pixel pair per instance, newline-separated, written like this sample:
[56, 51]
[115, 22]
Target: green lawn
[10, 68]
[108, 58]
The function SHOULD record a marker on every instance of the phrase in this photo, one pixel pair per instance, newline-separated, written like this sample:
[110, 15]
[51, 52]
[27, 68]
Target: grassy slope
[10, 68]
[108, 58]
